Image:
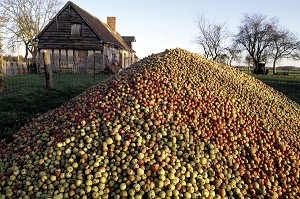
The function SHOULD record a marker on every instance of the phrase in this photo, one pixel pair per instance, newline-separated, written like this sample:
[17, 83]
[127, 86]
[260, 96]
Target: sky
[164, 24]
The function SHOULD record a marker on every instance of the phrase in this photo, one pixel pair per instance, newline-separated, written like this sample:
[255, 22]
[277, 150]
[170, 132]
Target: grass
[289, 84]
[25, 96]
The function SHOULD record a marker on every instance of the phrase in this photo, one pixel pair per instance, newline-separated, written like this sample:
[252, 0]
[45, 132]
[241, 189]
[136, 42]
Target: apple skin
[173, 124]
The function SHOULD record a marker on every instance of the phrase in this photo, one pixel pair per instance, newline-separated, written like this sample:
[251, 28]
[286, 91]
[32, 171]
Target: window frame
[76, 30]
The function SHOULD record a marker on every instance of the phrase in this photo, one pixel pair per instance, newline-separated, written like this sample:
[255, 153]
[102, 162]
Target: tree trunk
[34, 54]
[48, 70]
[256, 67]
[26, 51]
[274, 67]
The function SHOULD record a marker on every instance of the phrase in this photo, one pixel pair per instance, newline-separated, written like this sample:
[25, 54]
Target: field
[25, 96]
[287, 84]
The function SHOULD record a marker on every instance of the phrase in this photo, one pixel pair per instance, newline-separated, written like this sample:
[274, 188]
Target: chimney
[111, 22]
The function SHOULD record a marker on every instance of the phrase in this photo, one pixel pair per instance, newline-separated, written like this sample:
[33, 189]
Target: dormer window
[76, 30]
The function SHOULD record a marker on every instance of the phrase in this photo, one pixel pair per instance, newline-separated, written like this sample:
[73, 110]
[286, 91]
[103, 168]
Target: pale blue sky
[161, 24]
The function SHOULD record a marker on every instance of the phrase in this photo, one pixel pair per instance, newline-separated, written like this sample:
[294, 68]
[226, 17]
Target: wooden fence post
[2, 66]
[48, 70]
[2, 85]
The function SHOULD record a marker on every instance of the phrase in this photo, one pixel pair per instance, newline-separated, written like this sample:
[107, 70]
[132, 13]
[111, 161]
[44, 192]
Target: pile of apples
[173, 125]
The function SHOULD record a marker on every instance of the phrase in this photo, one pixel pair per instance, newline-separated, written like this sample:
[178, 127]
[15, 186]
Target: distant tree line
[261, 38]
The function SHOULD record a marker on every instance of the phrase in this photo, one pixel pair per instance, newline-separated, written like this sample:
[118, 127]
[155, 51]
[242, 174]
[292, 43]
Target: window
[76, 30]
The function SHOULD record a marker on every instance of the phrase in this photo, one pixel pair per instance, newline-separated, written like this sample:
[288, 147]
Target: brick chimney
[111, 22]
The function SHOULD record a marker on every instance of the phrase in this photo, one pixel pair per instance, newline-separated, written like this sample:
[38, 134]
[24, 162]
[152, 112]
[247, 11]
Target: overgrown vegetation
[25, 96]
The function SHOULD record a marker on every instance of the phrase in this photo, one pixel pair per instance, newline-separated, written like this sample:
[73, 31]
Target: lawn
[287, 84]
[25, 96]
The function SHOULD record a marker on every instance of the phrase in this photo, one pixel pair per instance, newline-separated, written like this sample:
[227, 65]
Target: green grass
[26, 96]
[289, 84]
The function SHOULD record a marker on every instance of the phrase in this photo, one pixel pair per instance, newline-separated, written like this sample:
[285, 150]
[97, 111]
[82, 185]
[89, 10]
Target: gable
[59, 32]
[94, 32]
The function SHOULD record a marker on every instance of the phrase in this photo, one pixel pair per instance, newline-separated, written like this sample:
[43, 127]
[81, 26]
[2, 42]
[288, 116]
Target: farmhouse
[79, 42]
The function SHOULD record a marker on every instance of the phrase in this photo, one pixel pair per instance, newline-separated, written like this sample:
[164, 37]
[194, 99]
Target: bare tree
[1, 37]
[24, 19]
[211, 37]
[223, 58]
[1, 44]
[233, 54]
[284, 45]
[255, 36]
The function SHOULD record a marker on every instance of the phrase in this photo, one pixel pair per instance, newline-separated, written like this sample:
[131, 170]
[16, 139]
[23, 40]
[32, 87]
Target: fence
[25, 96]
[10, 68]
[25, 92]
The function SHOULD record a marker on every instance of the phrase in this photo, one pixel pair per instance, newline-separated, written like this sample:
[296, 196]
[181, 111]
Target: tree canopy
[261, 37]
[211, 38]
[265, 39]
[284, 45]
[24, 19]
[255, 36]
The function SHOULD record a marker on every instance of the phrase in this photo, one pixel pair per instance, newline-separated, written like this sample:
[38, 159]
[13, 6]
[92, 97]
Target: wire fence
[24, 95]
[18, 75]
[285, 81]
